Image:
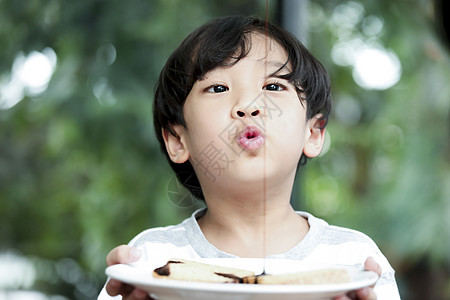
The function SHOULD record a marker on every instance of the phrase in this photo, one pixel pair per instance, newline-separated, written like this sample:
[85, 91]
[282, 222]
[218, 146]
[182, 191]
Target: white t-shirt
[323, 243]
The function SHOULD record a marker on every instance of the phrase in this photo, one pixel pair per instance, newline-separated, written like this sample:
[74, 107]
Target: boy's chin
[252, 176]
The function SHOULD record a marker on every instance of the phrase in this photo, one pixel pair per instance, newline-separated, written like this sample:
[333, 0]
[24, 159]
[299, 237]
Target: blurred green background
[81, 171]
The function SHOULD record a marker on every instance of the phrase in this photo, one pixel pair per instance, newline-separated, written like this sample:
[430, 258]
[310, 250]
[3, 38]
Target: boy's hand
[122, 255]
[366, 293]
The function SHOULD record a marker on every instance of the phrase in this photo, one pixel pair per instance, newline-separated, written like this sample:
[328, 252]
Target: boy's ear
[315, 136]
[176, 145]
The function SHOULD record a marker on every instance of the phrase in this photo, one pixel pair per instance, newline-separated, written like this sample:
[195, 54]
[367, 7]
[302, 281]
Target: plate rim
[368, 278]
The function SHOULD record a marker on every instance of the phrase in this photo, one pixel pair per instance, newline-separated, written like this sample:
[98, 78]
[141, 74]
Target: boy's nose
[248, 103]
[250, 112]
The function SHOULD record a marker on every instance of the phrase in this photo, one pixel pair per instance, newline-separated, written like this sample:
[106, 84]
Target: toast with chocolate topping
[325, 276]
[187, 270]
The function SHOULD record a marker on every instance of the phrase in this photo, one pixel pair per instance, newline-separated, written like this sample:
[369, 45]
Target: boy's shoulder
[332, 234]
[344, 234]
[337, 245]
[167, 234]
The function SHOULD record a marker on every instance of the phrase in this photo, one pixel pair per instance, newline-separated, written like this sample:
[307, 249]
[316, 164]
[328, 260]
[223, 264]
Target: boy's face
[243, 124]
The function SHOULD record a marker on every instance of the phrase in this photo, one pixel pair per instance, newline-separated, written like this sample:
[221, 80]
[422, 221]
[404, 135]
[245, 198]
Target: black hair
[213, 45]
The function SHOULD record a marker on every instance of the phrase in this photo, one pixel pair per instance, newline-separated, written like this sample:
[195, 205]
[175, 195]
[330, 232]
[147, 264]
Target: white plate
[140, 275]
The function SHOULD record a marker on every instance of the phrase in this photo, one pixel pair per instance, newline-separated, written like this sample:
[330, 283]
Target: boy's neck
[239, 225]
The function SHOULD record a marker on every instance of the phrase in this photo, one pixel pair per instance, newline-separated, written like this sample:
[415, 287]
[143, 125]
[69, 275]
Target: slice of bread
[187, 270]
[325, 276]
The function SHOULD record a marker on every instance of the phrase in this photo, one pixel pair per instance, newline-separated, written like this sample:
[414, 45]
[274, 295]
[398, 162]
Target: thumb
[123, 254]
[371, 265]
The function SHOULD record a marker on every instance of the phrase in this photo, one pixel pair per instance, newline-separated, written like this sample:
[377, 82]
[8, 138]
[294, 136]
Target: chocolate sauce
[165, 270]
[235, 278]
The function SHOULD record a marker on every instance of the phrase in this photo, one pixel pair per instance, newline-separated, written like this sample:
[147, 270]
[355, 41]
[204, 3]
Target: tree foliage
[81, 171]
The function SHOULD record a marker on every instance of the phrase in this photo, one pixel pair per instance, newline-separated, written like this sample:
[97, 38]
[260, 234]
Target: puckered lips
[251, 138]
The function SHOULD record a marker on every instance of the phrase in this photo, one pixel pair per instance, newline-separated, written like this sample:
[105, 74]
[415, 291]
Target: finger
[113, 287]
[123, 254]
[371, 265]
[366, 294]
[138, 294]
[343, 297]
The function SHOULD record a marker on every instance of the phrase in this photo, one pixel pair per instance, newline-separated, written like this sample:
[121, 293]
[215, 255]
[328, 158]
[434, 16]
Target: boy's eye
[217, 89]
[274, 87]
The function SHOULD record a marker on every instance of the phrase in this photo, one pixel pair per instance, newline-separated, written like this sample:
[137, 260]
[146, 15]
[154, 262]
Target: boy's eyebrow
[279, 65]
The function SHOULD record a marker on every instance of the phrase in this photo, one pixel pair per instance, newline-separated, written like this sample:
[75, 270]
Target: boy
[239, 106]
